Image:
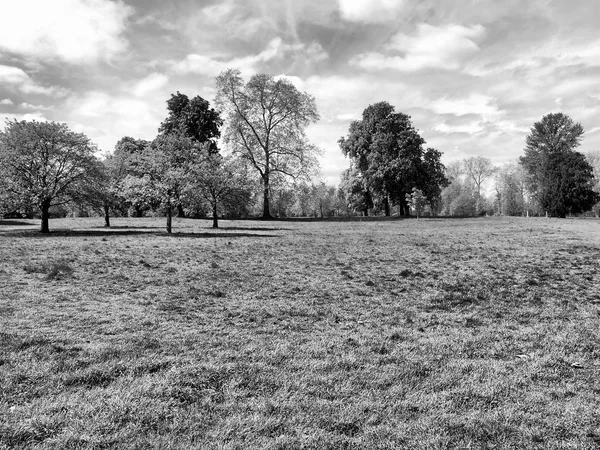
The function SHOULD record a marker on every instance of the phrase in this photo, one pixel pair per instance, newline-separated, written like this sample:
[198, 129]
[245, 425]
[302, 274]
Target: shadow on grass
[255, 228]
[16, 222]
[106, 233]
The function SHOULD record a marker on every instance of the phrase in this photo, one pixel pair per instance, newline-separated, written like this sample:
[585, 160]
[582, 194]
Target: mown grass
[470, 333]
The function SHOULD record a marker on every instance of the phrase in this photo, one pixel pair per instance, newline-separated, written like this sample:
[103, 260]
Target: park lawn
[374, 334]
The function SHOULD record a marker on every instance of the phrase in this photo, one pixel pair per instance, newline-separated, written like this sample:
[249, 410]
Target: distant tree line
[270, 167]
[551, 178]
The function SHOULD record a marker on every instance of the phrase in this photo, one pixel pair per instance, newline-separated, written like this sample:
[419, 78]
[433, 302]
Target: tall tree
[352, 188]
[567, 184]
[196, 120]
[388, 151]
[46, 164]
[478, 169]
[559, 178]
[265, 122]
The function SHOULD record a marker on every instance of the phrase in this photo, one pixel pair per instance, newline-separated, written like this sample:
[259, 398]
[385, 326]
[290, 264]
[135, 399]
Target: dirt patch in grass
[454, 333]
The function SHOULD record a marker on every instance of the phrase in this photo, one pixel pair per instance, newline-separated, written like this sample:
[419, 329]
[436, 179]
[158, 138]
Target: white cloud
[442, 47]
[151, 83]
[470, 128]
[20, 80]
[6, 101]
[473, 104]
[107, 118]
[275, 49]
[26, 105]
[76, 31]
[369, 11]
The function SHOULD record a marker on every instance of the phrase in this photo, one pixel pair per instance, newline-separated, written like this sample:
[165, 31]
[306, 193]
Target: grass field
[429, 334]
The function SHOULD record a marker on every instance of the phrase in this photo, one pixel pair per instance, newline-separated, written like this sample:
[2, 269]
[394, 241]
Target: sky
[474, 75]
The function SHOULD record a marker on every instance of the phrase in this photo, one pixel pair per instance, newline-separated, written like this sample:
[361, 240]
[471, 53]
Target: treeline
[262, 122]
[551, 178]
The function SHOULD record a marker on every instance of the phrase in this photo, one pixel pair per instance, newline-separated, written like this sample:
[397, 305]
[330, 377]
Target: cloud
[432, 47]
[473, 104]
[151, 83]
[369, 11]
[6, 101]
[276, 49]
[75, 31]
[470, 128]
[17, 78]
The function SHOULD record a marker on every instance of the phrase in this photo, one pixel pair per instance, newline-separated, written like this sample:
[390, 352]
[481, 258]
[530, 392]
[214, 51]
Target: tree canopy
[388, 152]
[265, 123]
[46, 164]
[195, 118]
[559, 178]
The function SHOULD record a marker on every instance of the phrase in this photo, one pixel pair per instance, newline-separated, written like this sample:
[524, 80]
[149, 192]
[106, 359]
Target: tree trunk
[386, 206]
[138, 211]
[366, 211]
[266, 209]
[180, 211]
[169, 218]
[45, 207]
[215, 216]
[106, 216]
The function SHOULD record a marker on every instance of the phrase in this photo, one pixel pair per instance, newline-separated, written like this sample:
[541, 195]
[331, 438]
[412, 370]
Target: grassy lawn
[429, 334]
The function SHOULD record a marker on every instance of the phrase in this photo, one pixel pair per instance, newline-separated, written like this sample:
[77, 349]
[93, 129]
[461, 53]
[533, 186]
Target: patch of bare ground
[436, 333]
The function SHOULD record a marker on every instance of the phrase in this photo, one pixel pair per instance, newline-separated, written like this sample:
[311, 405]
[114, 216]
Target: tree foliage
[194, 118]
[45, 164]
[265, 122]
[559, 178]
[388, 152]
[221, 182]
[416, 200]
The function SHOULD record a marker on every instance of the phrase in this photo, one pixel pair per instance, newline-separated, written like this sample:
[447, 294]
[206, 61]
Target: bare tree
[478, 169]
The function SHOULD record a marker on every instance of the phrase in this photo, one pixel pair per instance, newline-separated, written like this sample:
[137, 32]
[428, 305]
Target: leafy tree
[559, 178]
[219, 182]
[416, 200]
[478, 169]
[352, 188]
[195, 118]
[388, 151]
[126, 161]
[567, 184]
[266, 120]
[46, 164]
[167, 164]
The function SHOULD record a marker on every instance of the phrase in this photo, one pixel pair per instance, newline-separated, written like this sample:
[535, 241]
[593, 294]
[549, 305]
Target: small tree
[416, 200]
[220, 182]
[45, 164]
[166, 163]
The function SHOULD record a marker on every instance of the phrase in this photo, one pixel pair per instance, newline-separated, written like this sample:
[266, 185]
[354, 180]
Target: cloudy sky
[473, 74]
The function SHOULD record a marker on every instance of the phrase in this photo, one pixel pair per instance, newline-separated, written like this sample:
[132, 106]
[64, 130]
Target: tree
[265, 122]
[166, 161]
[567, 184]
[559, 178]
[388, 151]
[478, 169]
[416, 200]
[46, 164]
[219, 182]
[126, 161]
[352, 188]
[195, 118]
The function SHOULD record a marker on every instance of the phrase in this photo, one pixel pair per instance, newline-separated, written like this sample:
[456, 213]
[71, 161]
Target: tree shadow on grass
[108, 232]
[255, 228]
[16, 222]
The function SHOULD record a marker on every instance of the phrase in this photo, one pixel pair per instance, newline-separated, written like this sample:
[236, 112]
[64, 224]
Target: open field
[437, 333]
